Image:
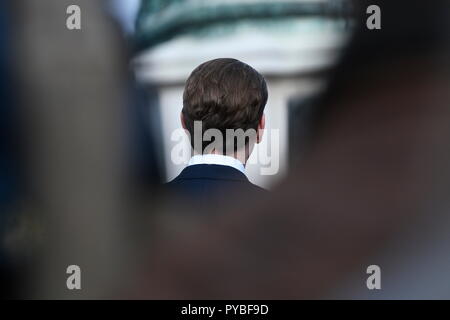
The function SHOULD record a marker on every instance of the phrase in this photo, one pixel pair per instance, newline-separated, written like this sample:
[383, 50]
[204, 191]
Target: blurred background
[86, 123]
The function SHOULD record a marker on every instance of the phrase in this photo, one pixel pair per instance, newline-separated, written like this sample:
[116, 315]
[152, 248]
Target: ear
[183, 123]
[261, 127]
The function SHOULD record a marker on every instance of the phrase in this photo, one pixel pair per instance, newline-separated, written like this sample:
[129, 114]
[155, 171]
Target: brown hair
[224, 94]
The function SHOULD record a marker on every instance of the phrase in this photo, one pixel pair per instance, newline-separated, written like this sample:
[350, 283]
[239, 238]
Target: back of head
[223, 94]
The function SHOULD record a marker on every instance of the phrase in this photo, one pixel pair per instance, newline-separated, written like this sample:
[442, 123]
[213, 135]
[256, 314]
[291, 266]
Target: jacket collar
[217, 159]
[212, 171]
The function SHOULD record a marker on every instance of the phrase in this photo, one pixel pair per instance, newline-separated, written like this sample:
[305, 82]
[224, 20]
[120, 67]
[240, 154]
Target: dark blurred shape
[145, 136]
[401, 75]
[302, 113]
[9, 156]
[76, 119]
[377, 167]
[420, 30]
[8, 137]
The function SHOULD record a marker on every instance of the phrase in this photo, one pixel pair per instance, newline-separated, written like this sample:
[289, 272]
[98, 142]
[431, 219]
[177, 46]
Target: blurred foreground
[81, 172]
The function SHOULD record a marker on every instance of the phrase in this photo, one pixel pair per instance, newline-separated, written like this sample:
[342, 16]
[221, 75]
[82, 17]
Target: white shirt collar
[217, 159]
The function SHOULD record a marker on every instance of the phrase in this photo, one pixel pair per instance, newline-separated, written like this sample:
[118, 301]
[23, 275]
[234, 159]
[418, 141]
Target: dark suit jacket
[206, 182]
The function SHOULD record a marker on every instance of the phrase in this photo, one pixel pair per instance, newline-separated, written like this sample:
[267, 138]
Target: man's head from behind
[227, 96]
